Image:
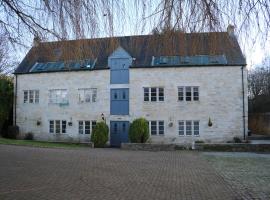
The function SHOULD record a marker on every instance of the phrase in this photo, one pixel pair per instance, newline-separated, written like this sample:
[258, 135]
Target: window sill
[189, 135]
[86, 102]
[148, 102]
[187, 101]
[157, 135]
[59, 104]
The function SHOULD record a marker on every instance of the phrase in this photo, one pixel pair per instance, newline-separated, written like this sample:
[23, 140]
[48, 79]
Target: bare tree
[91, 18]
[259, 87]
[4, 61]
[56, 19]
[7, 61]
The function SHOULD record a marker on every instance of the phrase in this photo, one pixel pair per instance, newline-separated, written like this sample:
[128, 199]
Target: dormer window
[163, 60]
[119, 62]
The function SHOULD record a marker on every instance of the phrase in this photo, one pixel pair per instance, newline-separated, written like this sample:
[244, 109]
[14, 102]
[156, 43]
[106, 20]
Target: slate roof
[142, 47]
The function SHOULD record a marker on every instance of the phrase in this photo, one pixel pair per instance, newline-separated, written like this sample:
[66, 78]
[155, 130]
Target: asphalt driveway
[43, 173]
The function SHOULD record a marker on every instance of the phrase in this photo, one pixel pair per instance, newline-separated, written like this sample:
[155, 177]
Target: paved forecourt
[44, 173]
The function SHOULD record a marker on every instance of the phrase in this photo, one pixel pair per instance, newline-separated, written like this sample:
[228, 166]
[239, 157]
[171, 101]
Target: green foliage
[199, 141]
[237, 140]
[139, 131]
[100, 134]
[13, 132]
[33, 143]
[6, 98]
[29, 136]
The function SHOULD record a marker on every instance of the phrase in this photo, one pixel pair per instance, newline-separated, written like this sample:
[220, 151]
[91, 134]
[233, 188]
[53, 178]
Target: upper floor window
[58, 96]
[188, 93]
[156, 127]
[31, 96]
[86, 127]
[57, 126]
[188, 128]
[153, 94]
[87, 95]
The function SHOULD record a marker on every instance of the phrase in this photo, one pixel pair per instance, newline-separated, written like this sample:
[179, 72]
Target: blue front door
[118, 133]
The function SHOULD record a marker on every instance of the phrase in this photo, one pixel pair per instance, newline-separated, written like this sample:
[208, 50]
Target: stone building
[189, 86]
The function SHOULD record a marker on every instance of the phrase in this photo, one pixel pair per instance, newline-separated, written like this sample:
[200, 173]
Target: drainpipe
[243, 99]
[15, 101]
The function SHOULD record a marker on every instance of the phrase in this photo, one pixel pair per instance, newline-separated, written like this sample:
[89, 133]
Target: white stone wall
[220, 99]
[28, 114]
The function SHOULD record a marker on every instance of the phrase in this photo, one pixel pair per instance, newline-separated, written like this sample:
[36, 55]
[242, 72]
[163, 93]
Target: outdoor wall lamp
[38, 122]
[170, 122]
[210, 122]
[70, 122]
[103, 117]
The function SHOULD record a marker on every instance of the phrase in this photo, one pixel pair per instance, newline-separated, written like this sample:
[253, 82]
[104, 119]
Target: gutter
[133, 67]
[172, 66]
[15, 102]
[243, 106]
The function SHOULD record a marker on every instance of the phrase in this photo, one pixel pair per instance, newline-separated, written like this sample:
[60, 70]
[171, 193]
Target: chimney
[230, 30]
[36, 41]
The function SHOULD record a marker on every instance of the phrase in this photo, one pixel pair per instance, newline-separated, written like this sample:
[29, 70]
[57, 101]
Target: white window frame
[192, 128]
[184, 96]
[63, 123]
[92, 124]
[82, 95]
[193, 125]
[182, 126]
[58, 98]
[157, 127]
[34, 99]
[158, 97]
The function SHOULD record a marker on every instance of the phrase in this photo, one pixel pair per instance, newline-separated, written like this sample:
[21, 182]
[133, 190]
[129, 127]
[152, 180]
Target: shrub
[199, 142]
[13, 132]
[29, 136]
[237, 140]
[6, 99]
[100, 134]
[139, 131]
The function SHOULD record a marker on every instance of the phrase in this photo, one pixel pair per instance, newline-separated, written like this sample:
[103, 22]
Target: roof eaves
[69, 70]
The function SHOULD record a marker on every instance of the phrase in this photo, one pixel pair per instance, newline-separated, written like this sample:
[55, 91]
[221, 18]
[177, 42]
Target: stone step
[259, 137]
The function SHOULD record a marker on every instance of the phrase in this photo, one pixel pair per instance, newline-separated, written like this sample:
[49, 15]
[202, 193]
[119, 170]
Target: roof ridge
[130, 36]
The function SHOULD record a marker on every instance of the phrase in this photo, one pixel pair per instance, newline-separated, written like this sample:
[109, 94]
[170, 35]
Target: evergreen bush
[139, 131]
[100, 134]
[13, 132]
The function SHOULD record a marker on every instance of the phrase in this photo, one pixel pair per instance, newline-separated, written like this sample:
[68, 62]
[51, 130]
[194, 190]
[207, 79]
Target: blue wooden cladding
[119, 76]
[118, 132]
[119, 70]
[119, 101]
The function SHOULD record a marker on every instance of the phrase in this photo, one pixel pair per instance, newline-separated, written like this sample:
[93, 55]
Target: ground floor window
[156, 127]
[189, 128]
[57, 126]
[86, 126]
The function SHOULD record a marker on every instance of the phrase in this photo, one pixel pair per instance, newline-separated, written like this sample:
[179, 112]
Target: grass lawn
[33, 143]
